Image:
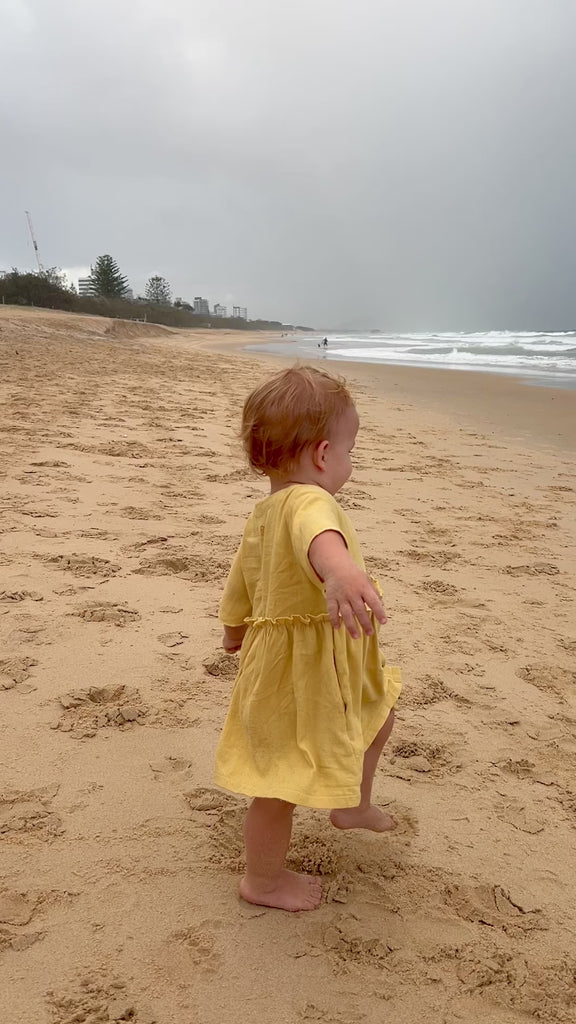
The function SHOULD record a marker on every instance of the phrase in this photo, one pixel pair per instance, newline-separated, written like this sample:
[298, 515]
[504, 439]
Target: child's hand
[233, 637]
[347, 595]
[348, 589]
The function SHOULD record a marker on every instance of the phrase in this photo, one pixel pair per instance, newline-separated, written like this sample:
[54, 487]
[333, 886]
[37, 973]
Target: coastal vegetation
[107, 281]
[49, 289]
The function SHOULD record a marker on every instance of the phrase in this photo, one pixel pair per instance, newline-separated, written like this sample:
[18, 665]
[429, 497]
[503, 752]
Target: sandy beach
[123, 495]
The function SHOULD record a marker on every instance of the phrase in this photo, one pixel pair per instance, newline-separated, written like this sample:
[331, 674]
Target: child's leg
[267, 832]
[365, 815]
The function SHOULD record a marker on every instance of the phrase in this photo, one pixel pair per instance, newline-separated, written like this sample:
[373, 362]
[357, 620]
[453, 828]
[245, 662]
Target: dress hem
[299, 799]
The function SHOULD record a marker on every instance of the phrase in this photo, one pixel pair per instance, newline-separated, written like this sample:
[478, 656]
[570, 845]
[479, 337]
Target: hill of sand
[122, 499]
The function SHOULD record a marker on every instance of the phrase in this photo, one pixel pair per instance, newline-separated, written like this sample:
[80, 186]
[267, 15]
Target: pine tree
[158, 290]
[107, 279]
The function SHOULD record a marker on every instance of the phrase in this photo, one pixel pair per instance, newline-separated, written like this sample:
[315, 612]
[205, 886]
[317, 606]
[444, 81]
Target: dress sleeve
[235, 605]
[314, 513]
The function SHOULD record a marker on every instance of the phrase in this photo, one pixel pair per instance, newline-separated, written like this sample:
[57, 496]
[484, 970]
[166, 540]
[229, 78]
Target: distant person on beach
[323, 343]
[312, 706]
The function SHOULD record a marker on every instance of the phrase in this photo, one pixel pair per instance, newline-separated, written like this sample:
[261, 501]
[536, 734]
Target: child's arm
[235, 606]
[233, 637]
[348, 588]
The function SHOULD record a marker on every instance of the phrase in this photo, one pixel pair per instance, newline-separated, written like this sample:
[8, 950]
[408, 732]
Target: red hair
[288, 412]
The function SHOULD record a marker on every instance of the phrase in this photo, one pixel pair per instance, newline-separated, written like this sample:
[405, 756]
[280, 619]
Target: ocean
[542, 358]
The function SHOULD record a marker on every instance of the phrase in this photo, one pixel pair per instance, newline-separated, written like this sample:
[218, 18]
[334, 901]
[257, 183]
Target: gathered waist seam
[287, 620]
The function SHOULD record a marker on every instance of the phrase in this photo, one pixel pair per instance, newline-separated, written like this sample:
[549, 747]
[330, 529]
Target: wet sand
[520, 408]
[123, 496]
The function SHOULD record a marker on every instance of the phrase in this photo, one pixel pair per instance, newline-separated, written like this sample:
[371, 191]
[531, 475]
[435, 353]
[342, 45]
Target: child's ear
[319, 454]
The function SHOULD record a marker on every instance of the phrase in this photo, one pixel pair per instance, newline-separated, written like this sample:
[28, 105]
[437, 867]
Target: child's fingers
[374, 602]
[349, 620]
[363, 617]
[354, 609]
[333, 610]
[359, 613]
[354, 614]
[342, 612]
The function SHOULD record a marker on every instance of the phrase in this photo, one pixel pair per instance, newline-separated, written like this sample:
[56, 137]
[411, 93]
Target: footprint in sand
[486, 974]
[439, 588]
[377, 566]
[535, 987]
[14, 673]
[493, 906]
[15, 908]
[31, 629]
[422, 758]
[567, 644]
[108, 611]
[315, 853]
[549, 678]
[224, 819]
[27, 815]
[313, 1012]
[51, 464]
[439, 559]
[349, 940]
[173, 770]
[206, 799]
[429, 690]
[221, 664]
[536, 569]
[354, 498]
[520, 817]
[175, 639]
[204, 453]
[187, 567]
[82, 565]
[98, 996]
[94, 533]
[567, 801]
[558, 489]
[17, 941]
[435, 535]
[86, 711]
[198, 943]
[131, 512]
[115, 449]
[521, 769]
[226, 478]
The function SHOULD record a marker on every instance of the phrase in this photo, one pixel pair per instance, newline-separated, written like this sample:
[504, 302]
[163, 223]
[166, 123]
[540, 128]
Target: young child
[312, 704]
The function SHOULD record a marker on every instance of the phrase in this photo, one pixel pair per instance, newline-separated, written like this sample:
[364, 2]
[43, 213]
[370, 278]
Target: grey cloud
[394, 163]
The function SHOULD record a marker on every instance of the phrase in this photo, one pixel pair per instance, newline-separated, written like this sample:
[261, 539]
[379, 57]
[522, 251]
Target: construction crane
[34, 242]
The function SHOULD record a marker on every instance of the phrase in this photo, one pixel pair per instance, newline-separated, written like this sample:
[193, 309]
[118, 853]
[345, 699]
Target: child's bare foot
[371, 818]
[290, 892]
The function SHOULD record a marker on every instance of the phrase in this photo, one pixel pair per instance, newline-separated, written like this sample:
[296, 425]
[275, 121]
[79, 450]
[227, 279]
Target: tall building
[201, 305]
[85, 286]
[240, 312]
[220, 310]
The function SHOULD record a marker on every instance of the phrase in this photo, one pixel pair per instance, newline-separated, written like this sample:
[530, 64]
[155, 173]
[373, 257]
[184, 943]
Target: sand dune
[122, 498]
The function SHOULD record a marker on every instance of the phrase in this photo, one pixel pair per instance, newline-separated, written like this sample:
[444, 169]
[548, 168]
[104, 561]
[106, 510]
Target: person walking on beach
[312, 705]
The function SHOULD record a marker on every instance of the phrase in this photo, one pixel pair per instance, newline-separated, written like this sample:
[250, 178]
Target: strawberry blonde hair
[288, 412]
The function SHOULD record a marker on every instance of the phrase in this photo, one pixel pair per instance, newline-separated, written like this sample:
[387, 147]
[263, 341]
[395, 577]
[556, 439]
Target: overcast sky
[402, 164]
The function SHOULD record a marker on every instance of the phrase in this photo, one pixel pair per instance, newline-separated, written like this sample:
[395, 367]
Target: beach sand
[123, 496]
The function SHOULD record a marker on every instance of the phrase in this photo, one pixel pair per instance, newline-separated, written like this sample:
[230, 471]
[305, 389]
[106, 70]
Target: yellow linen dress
[308, 699]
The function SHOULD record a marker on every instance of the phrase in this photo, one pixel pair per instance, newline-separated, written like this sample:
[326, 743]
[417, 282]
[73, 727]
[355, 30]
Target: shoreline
[496, 403]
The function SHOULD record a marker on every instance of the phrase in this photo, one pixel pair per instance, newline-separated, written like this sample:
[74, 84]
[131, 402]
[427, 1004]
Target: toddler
[312, 705]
